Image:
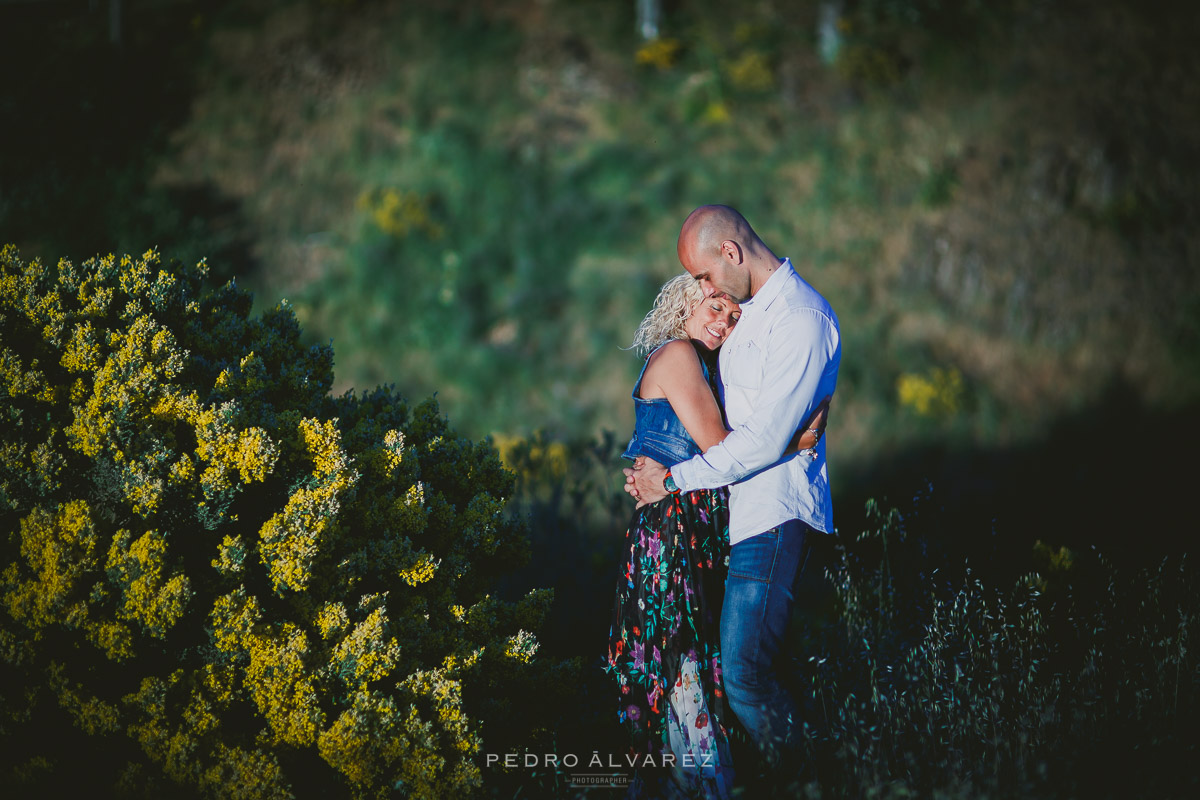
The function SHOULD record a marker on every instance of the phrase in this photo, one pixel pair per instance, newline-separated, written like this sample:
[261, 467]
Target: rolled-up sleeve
[799, 354]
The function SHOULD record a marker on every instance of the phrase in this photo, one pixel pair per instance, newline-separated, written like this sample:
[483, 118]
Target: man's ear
[731, 251]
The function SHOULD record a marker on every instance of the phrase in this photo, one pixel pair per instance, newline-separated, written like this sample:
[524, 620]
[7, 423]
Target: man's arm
[807, 439]
[798, 352]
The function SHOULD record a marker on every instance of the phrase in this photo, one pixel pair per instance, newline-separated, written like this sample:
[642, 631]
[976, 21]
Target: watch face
[669, 484]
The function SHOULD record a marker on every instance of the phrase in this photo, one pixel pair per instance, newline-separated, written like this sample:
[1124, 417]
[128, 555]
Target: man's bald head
[720, 249]
[708, 226]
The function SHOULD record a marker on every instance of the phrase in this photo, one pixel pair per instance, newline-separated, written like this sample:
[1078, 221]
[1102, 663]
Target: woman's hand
[644, 481]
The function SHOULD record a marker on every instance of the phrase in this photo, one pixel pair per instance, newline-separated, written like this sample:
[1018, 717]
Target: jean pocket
[754, 558]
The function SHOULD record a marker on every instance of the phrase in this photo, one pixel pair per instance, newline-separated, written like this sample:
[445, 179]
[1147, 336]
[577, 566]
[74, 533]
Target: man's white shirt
[778, 364]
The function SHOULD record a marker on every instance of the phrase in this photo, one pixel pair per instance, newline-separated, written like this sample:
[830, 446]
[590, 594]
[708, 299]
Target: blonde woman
[664, 644]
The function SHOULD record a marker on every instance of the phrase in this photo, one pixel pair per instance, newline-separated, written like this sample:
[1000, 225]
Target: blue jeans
[759, 594]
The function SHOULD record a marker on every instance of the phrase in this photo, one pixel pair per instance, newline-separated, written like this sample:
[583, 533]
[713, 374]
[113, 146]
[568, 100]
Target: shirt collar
[771, 289]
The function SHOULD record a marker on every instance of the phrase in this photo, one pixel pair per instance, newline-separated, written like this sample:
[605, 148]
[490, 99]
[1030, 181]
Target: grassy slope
[542, 173]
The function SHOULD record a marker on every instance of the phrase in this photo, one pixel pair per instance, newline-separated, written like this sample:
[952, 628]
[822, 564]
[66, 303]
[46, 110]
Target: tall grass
[928, 681]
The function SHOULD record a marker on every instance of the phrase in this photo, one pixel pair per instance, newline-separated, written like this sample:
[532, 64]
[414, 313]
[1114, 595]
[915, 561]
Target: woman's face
[712, 320]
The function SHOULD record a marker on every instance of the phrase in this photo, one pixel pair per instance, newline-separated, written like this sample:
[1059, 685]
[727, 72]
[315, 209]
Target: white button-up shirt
[778, 364]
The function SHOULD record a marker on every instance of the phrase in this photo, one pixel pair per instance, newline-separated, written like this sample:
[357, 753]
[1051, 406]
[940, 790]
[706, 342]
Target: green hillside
[480, 199]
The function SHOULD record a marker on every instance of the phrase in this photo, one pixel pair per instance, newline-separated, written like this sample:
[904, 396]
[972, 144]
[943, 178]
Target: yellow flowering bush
[939, 393]
[216, 578]
[751, 72]
[399, 213]
[659, 53]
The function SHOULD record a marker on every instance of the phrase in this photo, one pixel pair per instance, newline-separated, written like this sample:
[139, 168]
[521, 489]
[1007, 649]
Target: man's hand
[644, 481]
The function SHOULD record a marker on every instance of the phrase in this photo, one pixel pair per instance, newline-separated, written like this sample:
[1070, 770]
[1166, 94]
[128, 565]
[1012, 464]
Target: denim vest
[657, 431]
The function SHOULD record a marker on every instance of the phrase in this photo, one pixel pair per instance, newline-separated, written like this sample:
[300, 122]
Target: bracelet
[815, 433]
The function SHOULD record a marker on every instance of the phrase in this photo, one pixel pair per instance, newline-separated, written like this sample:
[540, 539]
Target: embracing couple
[731, 481]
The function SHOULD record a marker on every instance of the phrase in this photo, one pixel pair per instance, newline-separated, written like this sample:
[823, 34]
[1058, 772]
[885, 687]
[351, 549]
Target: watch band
[669, 483]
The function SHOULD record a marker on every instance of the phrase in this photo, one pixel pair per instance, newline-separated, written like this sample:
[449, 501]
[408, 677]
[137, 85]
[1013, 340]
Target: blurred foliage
[492, 229]
[398, 213]
[81, 140]
[937, 394]
[933, 680]
[984, 187]
[216, 574]
[660, 53]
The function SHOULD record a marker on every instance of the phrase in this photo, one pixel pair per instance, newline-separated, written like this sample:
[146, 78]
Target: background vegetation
[480, 199]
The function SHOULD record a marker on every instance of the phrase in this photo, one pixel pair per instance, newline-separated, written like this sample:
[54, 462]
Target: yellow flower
[937, 394]
[716, 113]
[752, 72]
[660, 53]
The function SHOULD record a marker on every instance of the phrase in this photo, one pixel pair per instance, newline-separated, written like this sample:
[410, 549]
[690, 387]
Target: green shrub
[217, 575]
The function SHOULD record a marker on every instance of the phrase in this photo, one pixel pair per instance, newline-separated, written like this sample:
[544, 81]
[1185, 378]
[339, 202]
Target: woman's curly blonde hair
[671, 310]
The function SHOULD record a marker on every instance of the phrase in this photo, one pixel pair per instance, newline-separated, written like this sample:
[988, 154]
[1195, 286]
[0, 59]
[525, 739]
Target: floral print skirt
[664, 646]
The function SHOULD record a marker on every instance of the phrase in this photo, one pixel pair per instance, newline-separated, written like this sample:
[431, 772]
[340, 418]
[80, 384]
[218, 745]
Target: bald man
[778, 364]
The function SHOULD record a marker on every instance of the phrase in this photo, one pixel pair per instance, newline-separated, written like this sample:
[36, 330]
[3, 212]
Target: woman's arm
[808, 436]
[675, 373]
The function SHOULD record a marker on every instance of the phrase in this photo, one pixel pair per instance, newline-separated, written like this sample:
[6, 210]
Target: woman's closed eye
[720, 309]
